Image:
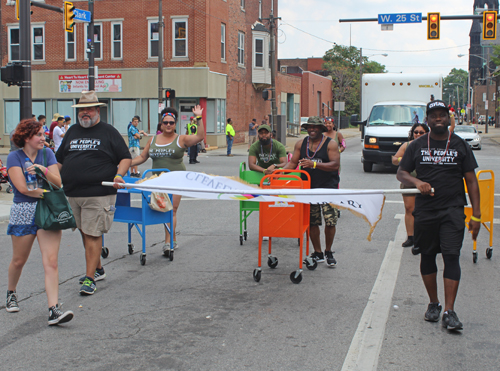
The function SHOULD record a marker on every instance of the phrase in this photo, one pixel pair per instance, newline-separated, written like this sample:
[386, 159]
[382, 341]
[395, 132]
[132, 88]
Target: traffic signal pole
[160, 59]
[25, 98]
[90, 45]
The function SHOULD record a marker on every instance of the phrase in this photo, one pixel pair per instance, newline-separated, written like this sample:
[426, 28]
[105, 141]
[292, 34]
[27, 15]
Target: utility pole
[160, 58]
[25, 98]
[272, 52]
[487, 90]
[90, 46]
[360, 84]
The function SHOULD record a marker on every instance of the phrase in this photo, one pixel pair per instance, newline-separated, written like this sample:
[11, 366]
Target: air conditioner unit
[284, 69]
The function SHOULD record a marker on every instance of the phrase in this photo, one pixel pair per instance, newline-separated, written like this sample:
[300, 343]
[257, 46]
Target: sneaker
[175, 245]
[415, 250]
[56, 316]
[450, 321]
[318, 257]
[330, 260]
[433, 312]
[11, 305]
[230, 155]
[408, 242]
[98, 275]
[88, 287]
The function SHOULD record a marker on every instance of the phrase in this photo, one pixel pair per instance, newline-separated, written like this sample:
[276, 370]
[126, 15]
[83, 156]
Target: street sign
[82, 15]
[400, 18]
[339, 106]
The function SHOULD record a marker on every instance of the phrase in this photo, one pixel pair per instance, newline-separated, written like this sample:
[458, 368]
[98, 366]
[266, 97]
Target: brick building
[215, 54]
[316, 86]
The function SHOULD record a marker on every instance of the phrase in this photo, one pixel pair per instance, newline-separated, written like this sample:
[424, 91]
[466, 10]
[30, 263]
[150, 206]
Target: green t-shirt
[264, 159]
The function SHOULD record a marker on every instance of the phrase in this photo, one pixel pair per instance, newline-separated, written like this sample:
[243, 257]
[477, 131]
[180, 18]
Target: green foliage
[456, 79]
[343, 64]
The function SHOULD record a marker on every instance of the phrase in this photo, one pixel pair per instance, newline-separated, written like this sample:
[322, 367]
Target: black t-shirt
[445, 176]
[89, 157]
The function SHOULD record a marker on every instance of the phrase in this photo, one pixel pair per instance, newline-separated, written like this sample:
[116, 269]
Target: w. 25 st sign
[400, 18]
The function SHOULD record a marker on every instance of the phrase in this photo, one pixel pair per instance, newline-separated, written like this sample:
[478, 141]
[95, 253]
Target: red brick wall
[311, 84]
[315, 64]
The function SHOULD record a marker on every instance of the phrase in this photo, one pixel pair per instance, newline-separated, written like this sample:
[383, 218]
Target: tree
[457, 78]
[342, 62]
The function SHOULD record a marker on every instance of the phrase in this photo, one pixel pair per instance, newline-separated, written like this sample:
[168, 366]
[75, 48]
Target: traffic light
[17, 9]
[169, 93]
[490, 25]
[265, 94]
[12, 73]
[433, 26]
[68, 16]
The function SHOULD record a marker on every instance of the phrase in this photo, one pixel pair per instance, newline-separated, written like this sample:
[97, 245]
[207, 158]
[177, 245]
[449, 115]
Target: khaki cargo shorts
[134, 151]
[93, 215]
[330, 213]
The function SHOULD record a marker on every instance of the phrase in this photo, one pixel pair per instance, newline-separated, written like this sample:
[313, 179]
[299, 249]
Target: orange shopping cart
[284, 219]
[487, 192]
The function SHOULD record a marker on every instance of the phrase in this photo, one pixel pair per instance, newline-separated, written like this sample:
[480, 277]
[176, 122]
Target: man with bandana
[266, 154]
[442, 161]
[319, 155]
[90, 153]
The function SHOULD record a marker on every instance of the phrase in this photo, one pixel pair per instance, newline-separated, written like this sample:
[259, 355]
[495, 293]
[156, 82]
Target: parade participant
[53, 124]
[252, 133]
[30, 137]
[191, 129]
[134, 146]
[58, 133]
[90, 153]
[442, 161]
[416, 131]
[320, 157]
[167, 152]
[230, 133]
[333, 133]
[266, 155]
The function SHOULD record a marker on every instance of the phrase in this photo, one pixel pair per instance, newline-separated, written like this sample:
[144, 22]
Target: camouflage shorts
[330, 213]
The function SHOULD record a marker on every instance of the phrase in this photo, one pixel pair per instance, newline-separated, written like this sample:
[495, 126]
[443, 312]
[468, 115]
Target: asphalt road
[204, 311]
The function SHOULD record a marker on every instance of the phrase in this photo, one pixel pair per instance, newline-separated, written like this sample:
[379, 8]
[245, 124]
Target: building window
[38, 43]
[116, 41]
[13, 44]
[259, 52]
[241, 48]
[71, 45]
[180, 34]
[223, 41]
[97, 41]
[153, 39]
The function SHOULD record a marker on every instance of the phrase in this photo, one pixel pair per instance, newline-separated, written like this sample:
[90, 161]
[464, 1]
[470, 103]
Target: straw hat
[56, 116]
[88, 99]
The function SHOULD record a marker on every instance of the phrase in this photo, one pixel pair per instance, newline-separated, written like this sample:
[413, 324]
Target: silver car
[470, 135]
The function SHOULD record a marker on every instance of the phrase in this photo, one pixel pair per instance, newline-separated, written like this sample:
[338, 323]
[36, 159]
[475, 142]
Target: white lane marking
[365, 346]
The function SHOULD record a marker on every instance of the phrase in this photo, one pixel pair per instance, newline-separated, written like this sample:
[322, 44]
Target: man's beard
[87, 122]
[439, 130]
[265, 142]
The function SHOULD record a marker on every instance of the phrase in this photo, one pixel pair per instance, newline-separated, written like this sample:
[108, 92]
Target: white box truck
[391, 102]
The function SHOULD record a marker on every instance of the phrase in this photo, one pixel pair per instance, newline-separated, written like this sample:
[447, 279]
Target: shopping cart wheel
[474, 256]
[171, 256]
[241, 240]
[272, 262]
[142, 259]
[311, 264]
[9, 189]
[256, 274]
[245, 235]
[296, 277]
[104, 252]
[489, 252]
[130, 248]
[166, 253]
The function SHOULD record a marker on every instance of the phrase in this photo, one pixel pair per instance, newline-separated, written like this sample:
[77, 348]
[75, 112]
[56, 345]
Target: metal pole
[160, 57]
[25, 99]
[458, 102]
[90, 44]
[274, 112]
[487, 90]
[360, 84]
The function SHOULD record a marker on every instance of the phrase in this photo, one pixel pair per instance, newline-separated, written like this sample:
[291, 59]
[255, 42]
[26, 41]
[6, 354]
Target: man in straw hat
[318, 155]
[90, 153]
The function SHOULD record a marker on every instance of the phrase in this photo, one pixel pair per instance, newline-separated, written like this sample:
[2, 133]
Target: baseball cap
[267, 127]
[136, 118]
[436, 104]
[67, 117]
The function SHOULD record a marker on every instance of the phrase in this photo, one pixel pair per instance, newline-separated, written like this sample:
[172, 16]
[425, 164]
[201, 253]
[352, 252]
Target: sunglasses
[419, 132]
[168, 122]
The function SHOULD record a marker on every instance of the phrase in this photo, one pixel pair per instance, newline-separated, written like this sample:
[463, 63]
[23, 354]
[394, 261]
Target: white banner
[367, 204]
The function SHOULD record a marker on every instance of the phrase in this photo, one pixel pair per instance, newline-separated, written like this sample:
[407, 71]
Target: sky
[308, 28]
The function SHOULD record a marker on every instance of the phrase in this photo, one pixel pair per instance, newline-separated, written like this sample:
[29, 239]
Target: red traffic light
[490, 25]
[169, 93]
[433, 26]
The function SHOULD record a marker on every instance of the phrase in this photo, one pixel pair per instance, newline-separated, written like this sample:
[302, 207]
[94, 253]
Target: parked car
[470, 135]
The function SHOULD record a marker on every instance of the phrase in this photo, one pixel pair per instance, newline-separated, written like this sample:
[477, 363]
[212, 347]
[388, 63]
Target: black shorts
[440, 231]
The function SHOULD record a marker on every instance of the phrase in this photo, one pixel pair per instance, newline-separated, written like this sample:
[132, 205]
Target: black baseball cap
[436, 104]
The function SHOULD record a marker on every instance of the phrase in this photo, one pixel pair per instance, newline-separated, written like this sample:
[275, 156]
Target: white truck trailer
[391, 102]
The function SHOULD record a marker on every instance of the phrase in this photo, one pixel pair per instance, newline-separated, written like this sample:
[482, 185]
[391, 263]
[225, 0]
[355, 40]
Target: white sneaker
[265, 238]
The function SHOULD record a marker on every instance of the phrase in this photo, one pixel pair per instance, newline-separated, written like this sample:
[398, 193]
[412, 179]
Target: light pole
[458, 94]
[361, 78]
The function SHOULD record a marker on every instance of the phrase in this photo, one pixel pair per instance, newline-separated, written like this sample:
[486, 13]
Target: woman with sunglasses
[167, 152]
[417, 130]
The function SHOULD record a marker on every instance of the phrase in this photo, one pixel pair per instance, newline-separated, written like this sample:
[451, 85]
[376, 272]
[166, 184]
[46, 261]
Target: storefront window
[123, 111]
